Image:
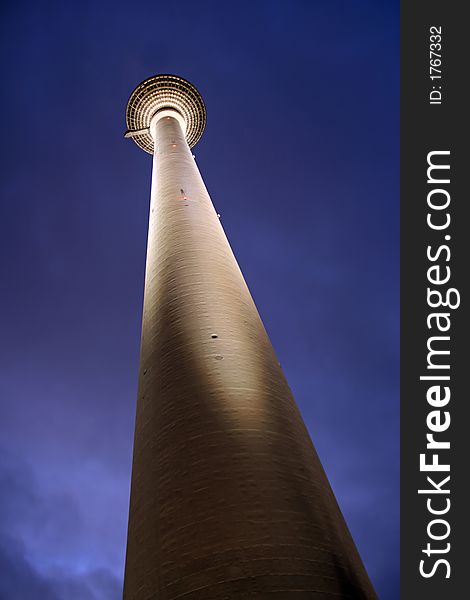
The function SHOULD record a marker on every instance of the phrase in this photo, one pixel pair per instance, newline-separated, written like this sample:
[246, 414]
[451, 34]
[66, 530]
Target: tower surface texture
[229, 500]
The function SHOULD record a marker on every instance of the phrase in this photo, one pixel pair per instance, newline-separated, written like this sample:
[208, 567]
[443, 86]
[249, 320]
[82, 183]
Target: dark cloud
[28, 517]
[19, 579]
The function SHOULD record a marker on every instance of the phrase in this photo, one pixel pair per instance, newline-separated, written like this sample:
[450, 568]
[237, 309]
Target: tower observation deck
[228, 496]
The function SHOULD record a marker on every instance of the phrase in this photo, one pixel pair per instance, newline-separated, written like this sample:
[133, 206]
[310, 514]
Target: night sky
[300, 156]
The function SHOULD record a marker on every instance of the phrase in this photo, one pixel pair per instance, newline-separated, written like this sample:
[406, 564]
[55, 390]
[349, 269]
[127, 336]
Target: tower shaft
[228, 498]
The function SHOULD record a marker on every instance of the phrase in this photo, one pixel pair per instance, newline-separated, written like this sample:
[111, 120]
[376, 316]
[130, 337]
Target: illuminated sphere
[165, 92]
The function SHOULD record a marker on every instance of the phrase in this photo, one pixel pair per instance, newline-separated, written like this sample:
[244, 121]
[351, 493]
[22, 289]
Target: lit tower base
[228, 499]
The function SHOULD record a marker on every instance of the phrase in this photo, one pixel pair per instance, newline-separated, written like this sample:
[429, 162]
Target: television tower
[228, 497]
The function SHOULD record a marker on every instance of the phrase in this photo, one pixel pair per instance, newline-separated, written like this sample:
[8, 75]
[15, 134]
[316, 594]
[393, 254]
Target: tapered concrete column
[229, 499]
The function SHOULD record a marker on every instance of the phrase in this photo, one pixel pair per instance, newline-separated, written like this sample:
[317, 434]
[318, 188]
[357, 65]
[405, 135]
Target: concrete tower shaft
[228, 498]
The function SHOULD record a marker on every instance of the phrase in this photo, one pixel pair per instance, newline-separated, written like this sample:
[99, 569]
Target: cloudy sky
[303, 111]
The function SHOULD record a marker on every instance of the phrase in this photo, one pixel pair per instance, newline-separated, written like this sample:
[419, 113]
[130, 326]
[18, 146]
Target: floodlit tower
[228, 497]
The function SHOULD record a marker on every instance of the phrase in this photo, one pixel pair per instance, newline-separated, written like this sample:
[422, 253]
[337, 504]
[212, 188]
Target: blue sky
[300, 156]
